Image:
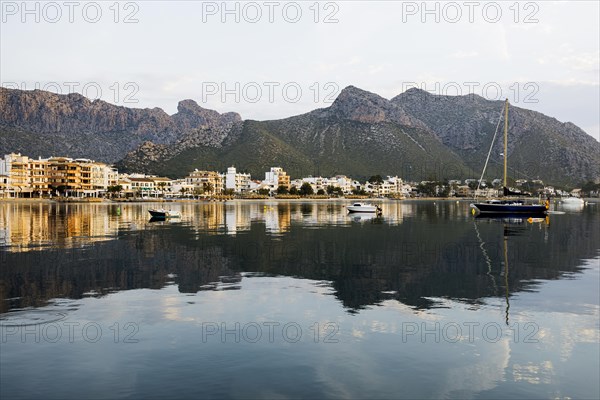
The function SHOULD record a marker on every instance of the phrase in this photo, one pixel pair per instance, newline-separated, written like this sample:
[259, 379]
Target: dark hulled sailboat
[508, 206]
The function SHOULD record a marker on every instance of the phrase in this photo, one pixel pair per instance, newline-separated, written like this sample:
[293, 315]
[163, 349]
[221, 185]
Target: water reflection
[34, 226]
[393, 288]
[415, 252]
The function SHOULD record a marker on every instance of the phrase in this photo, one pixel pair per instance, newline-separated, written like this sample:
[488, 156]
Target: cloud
[464, 54]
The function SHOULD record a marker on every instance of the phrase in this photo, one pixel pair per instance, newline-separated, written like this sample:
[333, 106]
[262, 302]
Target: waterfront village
[68, 178]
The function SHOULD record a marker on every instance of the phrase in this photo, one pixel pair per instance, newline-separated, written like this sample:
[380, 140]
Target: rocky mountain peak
[192, 116]
[35, 121]
[363, 106]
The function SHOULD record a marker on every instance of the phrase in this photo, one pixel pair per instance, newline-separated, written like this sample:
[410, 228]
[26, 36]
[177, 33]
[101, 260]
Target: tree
[264, 191]
[306, 189]
[294, 190]
[207, 187]
[359, 191]
[320, 192]
[473, 185]
[114, 190]
[427, 188]
[282, 190]
[334, 190]
[443, 190]
[533, 187]
[376, 179]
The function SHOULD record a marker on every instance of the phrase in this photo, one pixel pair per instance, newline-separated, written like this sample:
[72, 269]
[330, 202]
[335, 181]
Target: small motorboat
[162, 213]
[364, 208]
[572, 204]
[573, 201]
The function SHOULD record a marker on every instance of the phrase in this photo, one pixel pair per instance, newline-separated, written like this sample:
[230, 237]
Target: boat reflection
[162, 219]
[415, 253]
[34, 226]
[513, 219]
[363, 217]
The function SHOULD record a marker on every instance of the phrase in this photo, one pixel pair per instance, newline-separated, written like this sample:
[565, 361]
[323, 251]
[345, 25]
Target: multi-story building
[162, 184]
[276, 177]
[70, 177]
[208, 182]
[14, 168]
[142, 186]
[181, 187]
[236, 181]
[343, 182]
[38, 176]
[26, 177]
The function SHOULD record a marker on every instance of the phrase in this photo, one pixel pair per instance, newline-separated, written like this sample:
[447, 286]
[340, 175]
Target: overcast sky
[270, 60]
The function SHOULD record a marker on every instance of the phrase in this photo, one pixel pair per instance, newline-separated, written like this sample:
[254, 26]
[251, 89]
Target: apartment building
[236, 181]
[14, 169]
[208, 182]
[22, 176]
[277, 177]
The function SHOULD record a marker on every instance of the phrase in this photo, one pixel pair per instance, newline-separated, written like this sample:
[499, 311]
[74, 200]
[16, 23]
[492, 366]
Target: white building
[316, 182]
[180, 187]
[237, 182]
[276, 177]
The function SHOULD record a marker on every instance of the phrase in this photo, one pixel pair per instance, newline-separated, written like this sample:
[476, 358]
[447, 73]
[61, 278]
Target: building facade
[22, 176]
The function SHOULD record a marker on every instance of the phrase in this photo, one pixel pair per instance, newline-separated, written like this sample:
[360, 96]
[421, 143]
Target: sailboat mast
[505, 139]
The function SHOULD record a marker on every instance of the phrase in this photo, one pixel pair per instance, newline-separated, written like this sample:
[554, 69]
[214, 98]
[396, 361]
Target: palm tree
[207, 187]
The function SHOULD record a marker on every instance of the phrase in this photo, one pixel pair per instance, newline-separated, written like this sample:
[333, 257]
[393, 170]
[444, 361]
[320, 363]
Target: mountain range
[415, 135]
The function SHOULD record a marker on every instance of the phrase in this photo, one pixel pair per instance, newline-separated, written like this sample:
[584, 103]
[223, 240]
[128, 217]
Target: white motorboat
[162, 213]
[364, 208]
[572, 204]
[575, 201]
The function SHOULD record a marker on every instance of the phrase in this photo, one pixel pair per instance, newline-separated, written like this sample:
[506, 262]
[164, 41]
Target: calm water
[298, 299]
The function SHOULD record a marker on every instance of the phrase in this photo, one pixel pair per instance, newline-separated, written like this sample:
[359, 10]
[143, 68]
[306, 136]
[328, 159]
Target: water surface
[297, 299]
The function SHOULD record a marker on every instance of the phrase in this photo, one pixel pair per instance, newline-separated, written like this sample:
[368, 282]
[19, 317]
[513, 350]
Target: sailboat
[507, 206]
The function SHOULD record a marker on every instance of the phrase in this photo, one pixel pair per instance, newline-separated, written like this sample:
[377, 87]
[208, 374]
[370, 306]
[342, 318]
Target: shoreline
[272, 199]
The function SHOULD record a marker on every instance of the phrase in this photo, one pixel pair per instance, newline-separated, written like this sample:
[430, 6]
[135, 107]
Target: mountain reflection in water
[415, 253]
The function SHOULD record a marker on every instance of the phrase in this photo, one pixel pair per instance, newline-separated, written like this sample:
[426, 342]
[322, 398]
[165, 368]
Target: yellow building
[277, 177]
[26, 177]
[15, 169]
[208, 182]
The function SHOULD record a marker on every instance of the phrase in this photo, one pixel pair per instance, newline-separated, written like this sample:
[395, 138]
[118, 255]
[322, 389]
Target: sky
[275, 59]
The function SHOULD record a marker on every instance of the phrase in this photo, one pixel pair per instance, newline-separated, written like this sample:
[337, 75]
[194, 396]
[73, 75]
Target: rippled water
[297, 299]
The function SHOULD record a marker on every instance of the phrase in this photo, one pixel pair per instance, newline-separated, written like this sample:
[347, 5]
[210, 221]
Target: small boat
[572, 204]
[364, 208]
[576, 201]
[162, 213]
[506, 205]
